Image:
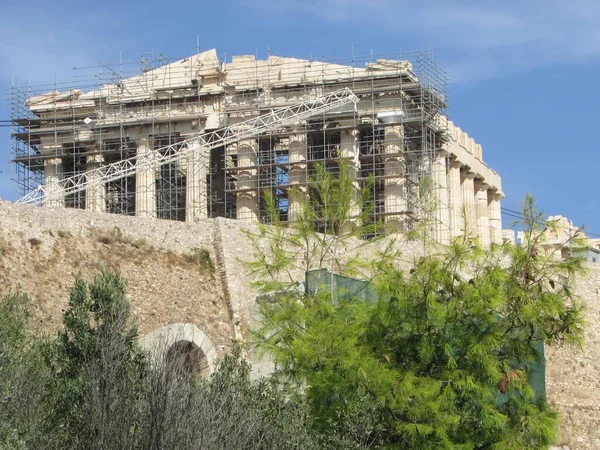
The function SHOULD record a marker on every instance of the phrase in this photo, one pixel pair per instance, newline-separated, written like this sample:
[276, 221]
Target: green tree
[13, 322]
[442, 356]
[97, 369]
[21, 376]
[328, 232]
[226, 411]
[91, 386]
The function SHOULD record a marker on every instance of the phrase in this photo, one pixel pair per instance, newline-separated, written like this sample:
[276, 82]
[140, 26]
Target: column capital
[455, 164]
[298, 138]
[442, 153]
[481, 186]
[252, 143]
[92, 158]
[396, 128]
[469, 175]
[495, 195]
[53, 161]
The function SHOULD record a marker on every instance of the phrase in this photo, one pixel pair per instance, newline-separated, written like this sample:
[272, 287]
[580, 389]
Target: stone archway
[186, 342]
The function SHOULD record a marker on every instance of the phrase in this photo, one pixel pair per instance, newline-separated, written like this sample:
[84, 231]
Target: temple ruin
[397, 134]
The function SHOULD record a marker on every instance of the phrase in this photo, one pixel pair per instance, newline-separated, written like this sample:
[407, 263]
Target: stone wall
[42, 250]
[573, 375]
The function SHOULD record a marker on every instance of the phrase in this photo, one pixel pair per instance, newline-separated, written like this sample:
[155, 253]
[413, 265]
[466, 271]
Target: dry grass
[201, 257]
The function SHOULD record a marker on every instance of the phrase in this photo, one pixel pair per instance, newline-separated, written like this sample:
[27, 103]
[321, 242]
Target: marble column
[297, 174]
[483, 223]
[469, 208]
[145, 182]
[440, 180]
[456, 218]
[196, 192]
[495, 216]
[349, 149]
[247, 182]
[53, 174]
[395, 179]
[95, 194]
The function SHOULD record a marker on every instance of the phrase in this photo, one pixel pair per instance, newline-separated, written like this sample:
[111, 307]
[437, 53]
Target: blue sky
[525, 75]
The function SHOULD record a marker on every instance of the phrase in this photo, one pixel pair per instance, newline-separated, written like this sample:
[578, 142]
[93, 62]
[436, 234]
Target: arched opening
[185, 344]
[189, 358]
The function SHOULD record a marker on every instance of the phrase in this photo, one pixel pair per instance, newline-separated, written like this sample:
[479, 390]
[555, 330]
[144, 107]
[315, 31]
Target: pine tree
[442, 357]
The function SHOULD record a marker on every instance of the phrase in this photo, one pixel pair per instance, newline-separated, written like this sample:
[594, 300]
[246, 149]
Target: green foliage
[201, 257]
[13, 322]
[424, 229]
[22, 377]
[327, 233]
[97, 368]
[91, 387]
[442, 359]
[229, 411]
[14, 315]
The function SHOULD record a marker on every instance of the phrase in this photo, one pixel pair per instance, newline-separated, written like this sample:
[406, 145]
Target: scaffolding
[113, 113]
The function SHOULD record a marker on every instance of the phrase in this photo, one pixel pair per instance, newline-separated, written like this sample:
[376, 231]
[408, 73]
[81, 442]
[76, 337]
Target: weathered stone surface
[43, 250]
[573, 375]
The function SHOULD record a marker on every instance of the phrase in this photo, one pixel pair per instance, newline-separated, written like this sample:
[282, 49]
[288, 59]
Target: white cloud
[483, 38]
